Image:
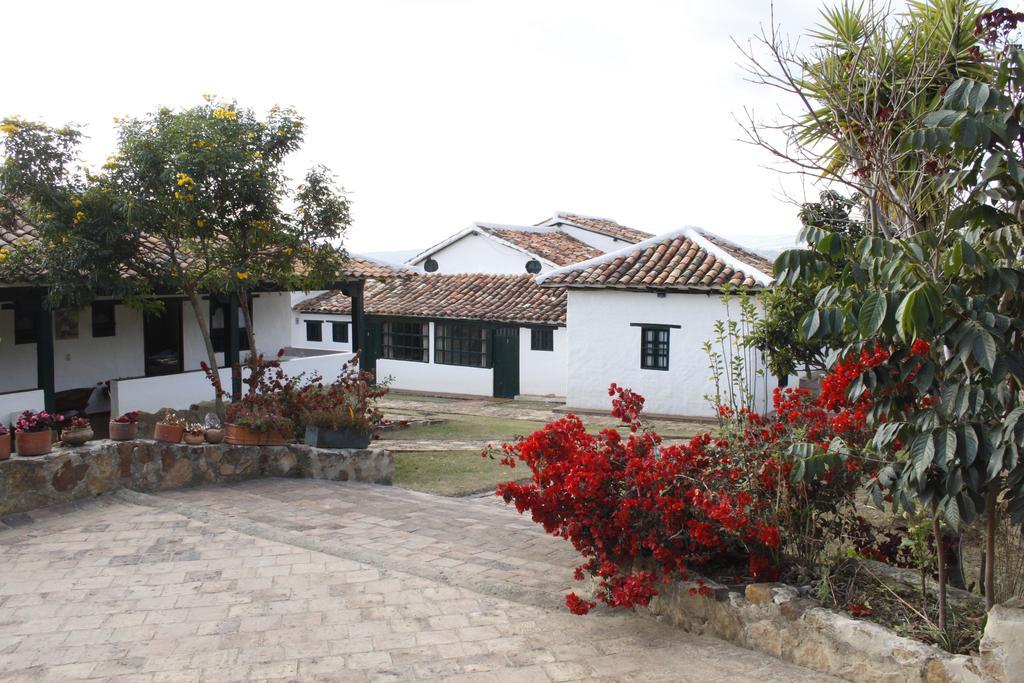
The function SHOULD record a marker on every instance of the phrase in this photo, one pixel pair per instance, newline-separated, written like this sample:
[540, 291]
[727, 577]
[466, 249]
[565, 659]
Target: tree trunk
[211, 355]
[991, 520]
[244, 300]
[940, 561]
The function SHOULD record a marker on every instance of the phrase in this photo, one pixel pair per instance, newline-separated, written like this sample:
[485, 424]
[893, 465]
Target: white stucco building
[639, 317]
[54, 358]
[462, 334]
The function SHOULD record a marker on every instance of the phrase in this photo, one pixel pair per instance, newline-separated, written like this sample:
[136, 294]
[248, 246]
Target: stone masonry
[99, 467]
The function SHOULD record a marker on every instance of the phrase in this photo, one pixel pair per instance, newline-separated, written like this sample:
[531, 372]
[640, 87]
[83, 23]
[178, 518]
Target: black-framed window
[315, 330]
[405, 340]
[654, 347]
[104, 322]
[26, 326]
[219, 311]
[339, 332]
[542, 339]
[460, 344]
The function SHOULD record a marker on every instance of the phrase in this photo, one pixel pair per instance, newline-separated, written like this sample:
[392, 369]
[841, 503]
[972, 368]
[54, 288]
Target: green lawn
[450, 473]
[465, 428]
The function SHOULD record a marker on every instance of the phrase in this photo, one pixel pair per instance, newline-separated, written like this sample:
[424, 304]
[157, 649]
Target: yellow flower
[76, 202]
[200, 222]
[199, 143]
[288, 251]
[183, 196]
[260, 225]
[79, 217]
[185, 179]
[208, 97]
[242, 276]
[3, 254]
[9, 128]
[257, 155]
[225, 114]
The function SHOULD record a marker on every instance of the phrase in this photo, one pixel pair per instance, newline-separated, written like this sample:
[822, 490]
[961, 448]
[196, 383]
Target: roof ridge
[612, 255]
[705, 239]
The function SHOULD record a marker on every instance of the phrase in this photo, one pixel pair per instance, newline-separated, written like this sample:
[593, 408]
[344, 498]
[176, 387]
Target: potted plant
[343, 414]
[195, 434]
[169, 427]
[125, 427]
[33, 432]
[214, 429]
[5, 443]
[77, 433]
[257, 418]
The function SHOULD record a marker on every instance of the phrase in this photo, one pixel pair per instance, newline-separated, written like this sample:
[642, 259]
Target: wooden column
[44, 355]
[358, 318]
[232, 354]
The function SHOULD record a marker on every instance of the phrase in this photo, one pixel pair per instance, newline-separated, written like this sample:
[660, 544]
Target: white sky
[436, 113]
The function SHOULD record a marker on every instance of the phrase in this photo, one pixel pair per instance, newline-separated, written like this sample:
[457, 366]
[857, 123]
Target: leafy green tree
[778, 333]
[945, 297]
[193, 200]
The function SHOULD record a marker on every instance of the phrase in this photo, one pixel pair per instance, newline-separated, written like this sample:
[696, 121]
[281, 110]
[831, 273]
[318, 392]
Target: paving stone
[262, 581]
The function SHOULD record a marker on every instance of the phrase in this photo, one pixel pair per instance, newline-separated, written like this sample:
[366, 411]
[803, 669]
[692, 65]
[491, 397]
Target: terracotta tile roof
[681, 260]
[548, 243]
[604, 226]
[363, 267]
[736, 251]
[499, 298]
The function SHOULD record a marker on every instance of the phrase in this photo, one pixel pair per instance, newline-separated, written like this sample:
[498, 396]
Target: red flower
[578, 605]
[920, 347]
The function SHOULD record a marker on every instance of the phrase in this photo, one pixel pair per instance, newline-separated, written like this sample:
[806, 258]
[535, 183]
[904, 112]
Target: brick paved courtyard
[303, 580]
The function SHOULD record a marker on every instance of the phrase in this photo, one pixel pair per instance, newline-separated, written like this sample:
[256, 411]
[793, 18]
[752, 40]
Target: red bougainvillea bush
[730, 507]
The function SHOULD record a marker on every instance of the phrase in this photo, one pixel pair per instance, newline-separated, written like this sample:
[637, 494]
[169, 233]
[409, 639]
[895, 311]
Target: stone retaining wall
[99, 467]
[775, 619]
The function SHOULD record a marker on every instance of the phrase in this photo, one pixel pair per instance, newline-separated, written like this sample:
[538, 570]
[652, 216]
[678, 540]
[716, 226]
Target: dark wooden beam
[44, 356]
[232, 356]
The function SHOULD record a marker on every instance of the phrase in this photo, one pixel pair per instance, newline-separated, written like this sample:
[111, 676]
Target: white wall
[78, 363]
[476, 254]
[87, 360]
[13, 404]
[177, 391]
[328, 344]
[543, 373]
[272, 318]
[434, 377]
[594, 239]
[604, 348]
[181, 390]
[17, 362]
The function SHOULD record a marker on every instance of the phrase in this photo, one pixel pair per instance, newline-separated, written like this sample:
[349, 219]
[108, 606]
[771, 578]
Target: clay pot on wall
[123, 431]
[76, 436]
[168, 433]
[237, 435]
[5, 446]
[194, 438]
[214, 435]
[29, 444]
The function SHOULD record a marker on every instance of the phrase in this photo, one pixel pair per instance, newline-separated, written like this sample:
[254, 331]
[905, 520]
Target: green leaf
[872, 314]
[945, 446]
[811, 323]
[983, 348]
[922, 452]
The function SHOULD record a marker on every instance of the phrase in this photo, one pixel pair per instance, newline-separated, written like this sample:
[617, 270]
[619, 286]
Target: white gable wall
[604, 347]
[476, 254]
[594, 239]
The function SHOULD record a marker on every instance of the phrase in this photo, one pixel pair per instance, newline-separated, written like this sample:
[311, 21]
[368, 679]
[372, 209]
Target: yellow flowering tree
[195, 200]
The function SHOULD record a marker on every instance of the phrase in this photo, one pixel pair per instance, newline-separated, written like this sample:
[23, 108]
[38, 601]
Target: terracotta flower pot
[5, 446]
[237, 435]
[76, 436]
[168, 433]
[31, 444]
[194, 439]
[123, 431]
[214, 435]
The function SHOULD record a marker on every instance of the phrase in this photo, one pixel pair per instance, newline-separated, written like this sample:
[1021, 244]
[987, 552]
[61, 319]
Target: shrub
[640, 511]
